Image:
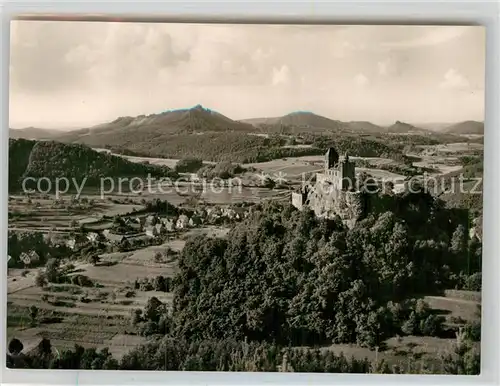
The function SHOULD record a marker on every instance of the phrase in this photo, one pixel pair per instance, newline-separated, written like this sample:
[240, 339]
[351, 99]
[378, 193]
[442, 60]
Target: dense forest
[288, 277]
[56, 160]
[247, 148]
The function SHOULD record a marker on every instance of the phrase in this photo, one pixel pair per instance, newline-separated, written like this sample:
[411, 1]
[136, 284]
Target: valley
[99, 315]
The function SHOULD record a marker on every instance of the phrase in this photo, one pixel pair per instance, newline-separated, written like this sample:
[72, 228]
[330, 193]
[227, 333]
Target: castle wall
[327, 201]
[297, 200]
[321, 178]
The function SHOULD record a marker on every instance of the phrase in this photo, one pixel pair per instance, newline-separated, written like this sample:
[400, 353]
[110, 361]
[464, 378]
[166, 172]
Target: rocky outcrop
[329, 203]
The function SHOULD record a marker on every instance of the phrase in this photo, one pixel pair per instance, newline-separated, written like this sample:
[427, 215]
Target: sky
[67, 75]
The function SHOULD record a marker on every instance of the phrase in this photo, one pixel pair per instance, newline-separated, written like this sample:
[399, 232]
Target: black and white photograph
[245, 197]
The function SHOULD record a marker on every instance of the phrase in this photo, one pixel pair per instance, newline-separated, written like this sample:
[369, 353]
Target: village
[135, 231]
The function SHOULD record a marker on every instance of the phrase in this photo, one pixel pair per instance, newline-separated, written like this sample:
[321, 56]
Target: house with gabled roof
[160, 228]
[35, 258]
[113, 237]
[182, 222]
[151, 220]
[151, 231]
[195, 221]
[169, 225]
[93, 237]
[71, 243]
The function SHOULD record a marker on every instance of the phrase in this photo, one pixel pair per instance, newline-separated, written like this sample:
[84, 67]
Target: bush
[223, 170]
[473, 282]
[153, 309]
[40, 279]
[52, 270]
[159, 283]
[149, 328]
[81, 280]
[158, 257]
[472, 331]
[432, 326]
[15, 346]
[33, 314]
[188, 165]
[94, 259]
[410, 327]
[146, 285]
[136, 317]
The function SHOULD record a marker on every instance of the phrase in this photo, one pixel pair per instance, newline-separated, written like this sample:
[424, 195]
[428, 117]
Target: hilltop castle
[337, 191]
[334, 192]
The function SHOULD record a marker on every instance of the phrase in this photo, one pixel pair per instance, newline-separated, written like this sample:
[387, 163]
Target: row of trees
[223, 170]
[158, 283]
[19, 243]
[231, 355]
[54, 273]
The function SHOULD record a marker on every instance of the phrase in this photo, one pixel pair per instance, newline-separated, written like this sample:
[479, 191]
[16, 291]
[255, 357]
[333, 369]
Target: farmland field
[102, 322]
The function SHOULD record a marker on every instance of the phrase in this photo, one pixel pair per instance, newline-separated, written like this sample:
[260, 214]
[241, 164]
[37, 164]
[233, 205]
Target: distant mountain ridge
[204, 133]
[33, 133]
[154, 127]
[199, 119]
[404, 128]
[466, 127]
[432, 126]
[365, 126]
[305, 119]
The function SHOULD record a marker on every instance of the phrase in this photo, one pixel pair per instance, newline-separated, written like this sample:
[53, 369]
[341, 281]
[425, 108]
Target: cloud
[52, 56]
[38, 55]
[281, 75]
[397, 63]
[68, 73]
[361, 80]
[383, 67]
[454, 80]
[430, 37]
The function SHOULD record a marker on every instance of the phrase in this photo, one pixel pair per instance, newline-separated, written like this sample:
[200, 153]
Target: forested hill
[287, 276]
[54, 159]
[467, 127]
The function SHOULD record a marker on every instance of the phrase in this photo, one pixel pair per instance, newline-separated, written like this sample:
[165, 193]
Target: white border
[341, 12]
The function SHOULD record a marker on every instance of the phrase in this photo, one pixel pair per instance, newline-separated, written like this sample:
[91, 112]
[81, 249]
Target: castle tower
[331, 158]
[347, 173]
